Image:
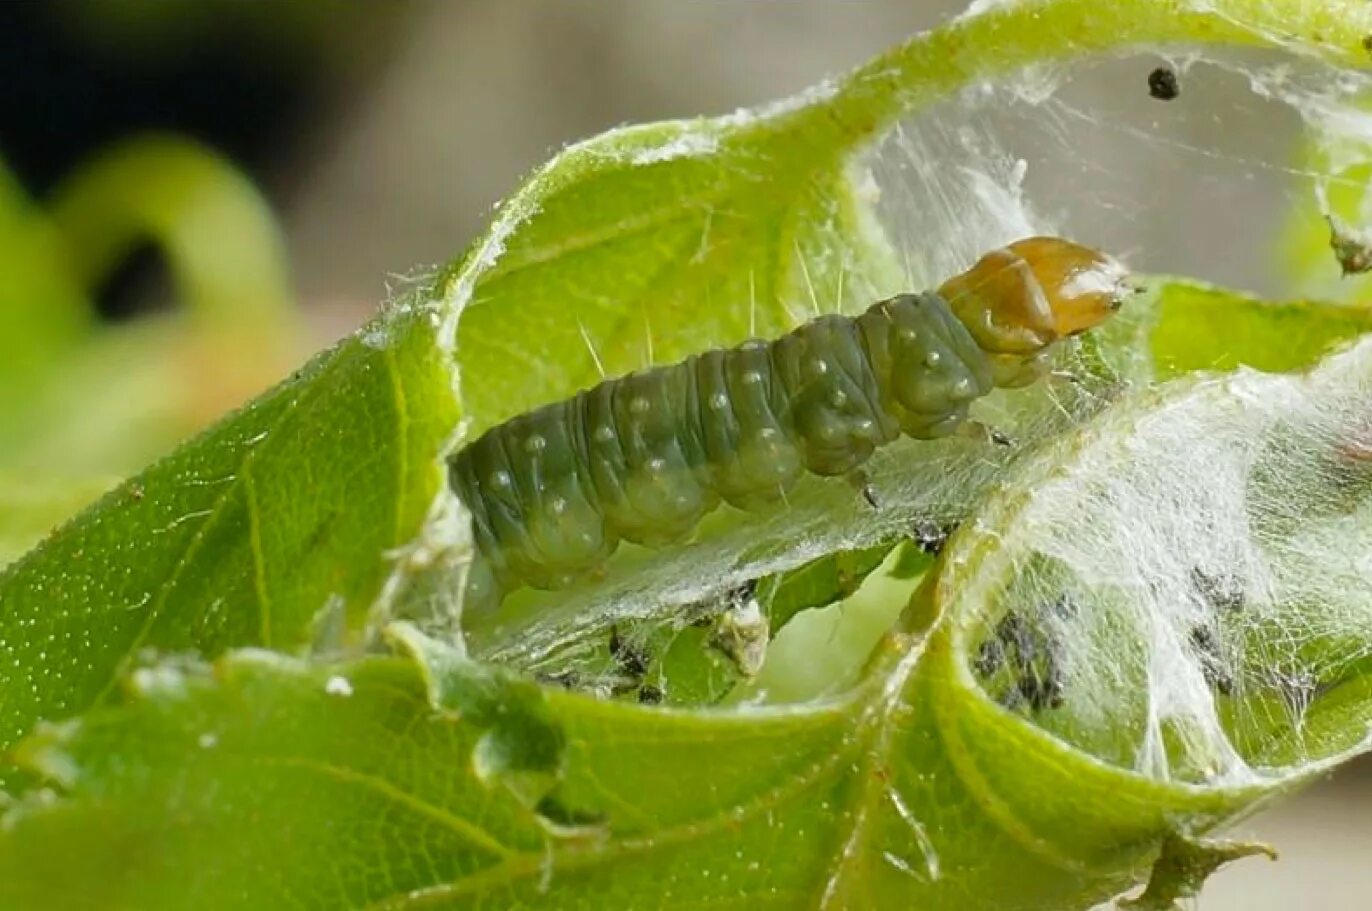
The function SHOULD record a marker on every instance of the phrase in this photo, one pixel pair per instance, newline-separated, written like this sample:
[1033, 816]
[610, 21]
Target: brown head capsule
[1018, 300]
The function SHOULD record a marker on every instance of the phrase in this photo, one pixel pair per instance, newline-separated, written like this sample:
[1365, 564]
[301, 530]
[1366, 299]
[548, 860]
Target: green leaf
[390, 784]
[818, 583]
[1184, 865]
[915, 786]
[700, 233]
[244, 536]
[277, 523]
[1201, 327]
[366, 745]
[520, 746]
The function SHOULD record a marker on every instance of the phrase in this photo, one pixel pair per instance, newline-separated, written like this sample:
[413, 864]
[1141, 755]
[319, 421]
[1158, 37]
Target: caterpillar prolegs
[643, 457]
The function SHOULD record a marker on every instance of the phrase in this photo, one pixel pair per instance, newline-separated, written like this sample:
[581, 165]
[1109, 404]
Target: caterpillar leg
[976, 430]
[863, 484]
[483, 591]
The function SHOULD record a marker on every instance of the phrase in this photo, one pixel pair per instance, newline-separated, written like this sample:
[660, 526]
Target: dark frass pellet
[631, 659]
[1163, 84]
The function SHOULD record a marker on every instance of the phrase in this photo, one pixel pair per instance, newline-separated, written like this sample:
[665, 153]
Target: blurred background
[195, 197]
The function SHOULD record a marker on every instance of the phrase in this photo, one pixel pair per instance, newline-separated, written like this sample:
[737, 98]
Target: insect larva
[644, 457]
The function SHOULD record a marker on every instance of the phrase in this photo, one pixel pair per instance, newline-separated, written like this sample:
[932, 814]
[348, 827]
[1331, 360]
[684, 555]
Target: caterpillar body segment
[644, 457]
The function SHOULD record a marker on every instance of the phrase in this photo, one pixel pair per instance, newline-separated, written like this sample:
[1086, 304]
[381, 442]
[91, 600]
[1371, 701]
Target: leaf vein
[212, 515]
[258, 557]
[525, 865]
[473, 833]
[402, 447]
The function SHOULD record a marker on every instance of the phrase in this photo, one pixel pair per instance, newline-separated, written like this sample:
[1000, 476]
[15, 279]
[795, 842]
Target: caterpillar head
[1019, 300]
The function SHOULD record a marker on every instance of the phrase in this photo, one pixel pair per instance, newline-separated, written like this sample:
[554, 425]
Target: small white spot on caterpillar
[604, 433]
[752, 378]
[820, 365]
[719, 401]
[962, 386]
[501, 479]
[932, 358]
[839, 398]
[535, 443]
[657, 466]
[557, 505]
[639, 405]
[909, 335]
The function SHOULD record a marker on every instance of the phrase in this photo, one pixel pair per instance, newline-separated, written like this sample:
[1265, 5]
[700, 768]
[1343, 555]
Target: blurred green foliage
[84, 400]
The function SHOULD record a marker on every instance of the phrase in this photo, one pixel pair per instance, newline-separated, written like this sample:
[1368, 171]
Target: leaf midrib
[525, 865]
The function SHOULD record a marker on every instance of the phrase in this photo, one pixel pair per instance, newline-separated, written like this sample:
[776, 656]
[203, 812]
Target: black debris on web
[1163, 84]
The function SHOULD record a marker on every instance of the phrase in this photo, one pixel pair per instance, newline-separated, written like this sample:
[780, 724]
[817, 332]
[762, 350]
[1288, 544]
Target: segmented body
[643, 457]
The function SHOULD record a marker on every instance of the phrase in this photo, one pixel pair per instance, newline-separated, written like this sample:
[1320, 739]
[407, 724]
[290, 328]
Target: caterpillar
[644, 457]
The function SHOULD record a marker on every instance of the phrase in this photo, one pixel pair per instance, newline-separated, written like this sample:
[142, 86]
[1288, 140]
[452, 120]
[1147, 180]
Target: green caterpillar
[644, 457]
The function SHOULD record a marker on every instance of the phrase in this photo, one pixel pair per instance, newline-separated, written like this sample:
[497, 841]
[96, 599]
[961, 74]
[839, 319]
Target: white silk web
[1187, 600]
[1186, 593]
